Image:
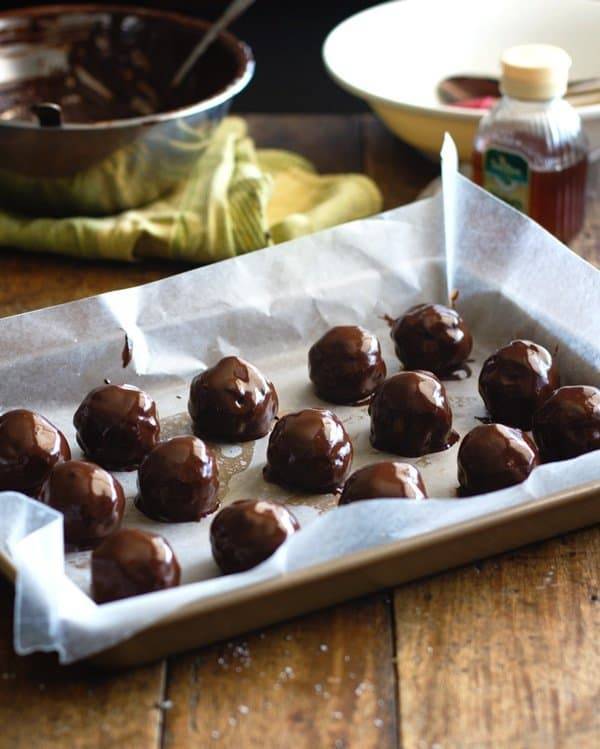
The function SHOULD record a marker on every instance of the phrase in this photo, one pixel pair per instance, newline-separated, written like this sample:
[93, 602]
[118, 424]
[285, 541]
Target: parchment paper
[514, 280]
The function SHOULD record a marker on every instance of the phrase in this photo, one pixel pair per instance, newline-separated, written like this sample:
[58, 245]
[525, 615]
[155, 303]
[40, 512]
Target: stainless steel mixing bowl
[112, 133]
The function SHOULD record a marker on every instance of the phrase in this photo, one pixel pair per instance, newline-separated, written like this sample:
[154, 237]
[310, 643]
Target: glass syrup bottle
[530, 149]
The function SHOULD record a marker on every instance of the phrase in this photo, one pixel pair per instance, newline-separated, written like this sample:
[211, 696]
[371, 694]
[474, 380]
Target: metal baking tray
[295, 294]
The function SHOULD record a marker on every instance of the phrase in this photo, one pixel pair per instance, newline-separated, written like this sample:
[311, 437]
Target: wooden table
[503, 653]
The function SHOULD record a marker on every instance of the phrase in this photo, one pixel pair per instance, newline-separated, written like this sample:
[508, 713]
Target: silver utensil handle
[230, 14]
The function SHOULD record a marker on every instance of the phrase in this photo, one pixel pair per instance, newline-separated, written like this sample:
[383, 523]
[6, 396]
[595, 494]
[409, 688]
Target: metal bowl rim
[240, 49]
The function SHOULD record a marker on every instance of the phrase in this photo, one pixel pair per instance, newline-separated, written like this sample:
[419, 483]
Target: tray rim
[142, 646]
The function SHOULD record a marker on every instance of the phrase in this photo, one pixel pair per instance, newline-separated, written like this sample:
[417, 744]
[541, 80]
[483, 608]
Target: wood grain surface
[504, 653]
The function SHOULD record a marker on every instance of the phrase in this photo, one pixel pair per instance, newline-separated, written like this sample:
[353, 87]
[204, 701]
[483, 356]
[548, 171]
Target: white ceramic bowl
[394, 55]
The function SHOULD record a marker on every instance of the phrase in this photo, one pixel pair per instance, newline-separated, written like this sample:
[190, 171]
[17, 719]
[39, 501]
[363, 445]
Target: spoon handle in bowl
[233, 10]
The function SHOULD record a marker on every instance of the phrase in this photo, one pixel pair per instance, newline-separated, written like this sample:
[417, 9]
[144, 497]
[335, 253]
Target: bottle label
[506, 175]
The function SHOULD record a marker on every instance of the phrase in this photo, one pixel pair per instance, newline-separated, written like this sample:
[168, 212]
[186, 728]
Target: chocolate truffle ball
[568, 424]
[130, 563]
[345, 364]
[432, 337]
[178, 481]
[232, 401]
[30, 446]
[516, 381]
[494, 456]
[117, 426]
[309, 450]
[90, 499]
[248, 531]
[410, 415]
[389, 479]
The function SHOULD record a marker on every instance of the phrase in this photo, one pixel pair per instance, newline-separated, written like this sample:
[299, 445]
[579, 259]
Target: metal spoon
[232, 11]
[459, 88]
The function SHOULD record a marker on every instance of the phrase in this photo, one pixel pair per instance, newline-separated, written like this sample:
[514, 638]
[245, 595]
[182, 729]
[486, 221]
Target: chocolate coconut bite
[568, 424]
[130, 563]
[232, 401]
[91, 501]
[178, 481]
[382, 480]
[433, 338]
[248, 531]
[117, 426]
[494, 456]
[30, 446]
[516, 380]
[309, 450]
[411, 416]
[345, 364]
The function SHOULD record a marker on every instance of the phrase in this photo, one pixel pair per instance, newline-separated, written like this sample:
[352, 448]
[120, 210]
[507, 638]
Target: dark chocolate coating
[389, 479]
[248, 531]
[117, 426]
[232, 401]
[516, 381]
[130, 563]
[30, 446]
[178, 481]
[411, 416]
[494, 456]
[568, 424]
[432, 337]
[345, 364]
[309, 450]
[90, 499]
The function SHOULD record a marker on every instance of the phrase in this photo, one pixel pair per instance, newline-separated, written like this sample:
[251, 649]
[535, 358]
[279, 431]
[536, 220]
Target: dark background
[286, 36]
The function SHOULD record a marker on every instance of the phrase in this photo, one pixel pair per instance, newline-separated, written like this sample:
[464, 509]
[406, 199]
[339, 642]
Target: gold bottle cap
[535, 71]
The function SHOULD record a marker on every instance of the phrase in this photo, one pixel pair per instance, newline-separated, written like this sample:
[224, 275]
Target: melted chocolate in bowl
[389, 479]
[130, 563]
[568, 424]
[91, 500]
[178, 481]
[411, 416]
[309, 450]
[345, 364]
[107, 63]
[232, 401]
[30, 446]
[248, 531]
[516, 380]
[494, 456]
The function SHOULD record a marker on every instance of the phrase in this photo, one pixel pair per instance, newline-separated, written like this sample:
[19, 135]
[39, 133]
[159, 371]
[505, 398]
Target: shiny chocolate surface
[345, 364]
[433, 338]
[411, 416]
[248, 531]
[91, 501]
[390, 479]
[232, 401]
[495, 456]
[117, 426]
[309, 450]
[30, 446]
[516, 380]
[130, 563]
[568, 424]
[178, 481]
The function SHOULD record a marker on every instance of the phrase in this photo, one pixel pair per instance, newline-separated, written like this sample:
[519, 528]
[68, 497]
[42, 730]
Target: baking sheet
[270, 306]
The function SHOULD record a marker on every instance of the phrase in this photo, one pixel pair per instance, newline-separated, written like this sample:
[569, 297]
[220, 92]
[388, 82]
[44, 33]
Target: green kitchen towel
[236, 200]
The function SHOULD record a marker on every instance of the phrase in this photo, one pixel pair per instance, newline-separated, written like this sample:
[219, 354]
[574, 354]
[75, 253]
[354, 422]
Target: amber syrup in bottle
[530, 149]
